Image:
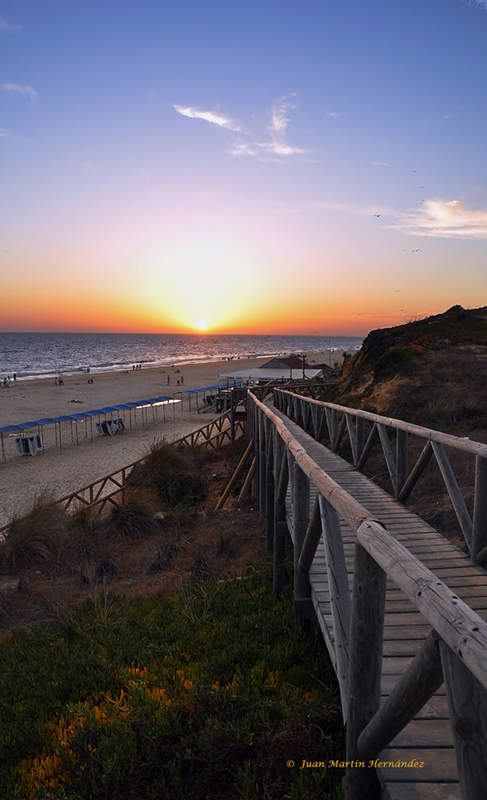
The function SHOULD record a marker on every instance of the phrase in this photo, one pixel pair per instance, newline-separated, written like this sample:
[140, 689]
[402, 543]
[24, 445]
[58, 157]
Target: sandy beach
[60, 472]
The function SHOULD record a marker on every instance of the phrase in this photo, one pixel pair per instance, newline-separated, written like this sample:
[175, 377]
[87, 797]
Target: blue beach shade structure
[8, 429]
[190, 392]
[19, 429]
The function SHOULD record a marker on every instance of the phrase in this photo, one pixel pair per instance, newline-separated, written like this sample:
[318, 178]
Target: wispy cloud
[426, 123]
[333, 113]
[4, 26]
[4, 133]
[279, 122]
[16, 87]
[214, 117]
[275, 146]
[242, 149]
[480, 4]
[447, 219]
[278, 148]
[380, 163]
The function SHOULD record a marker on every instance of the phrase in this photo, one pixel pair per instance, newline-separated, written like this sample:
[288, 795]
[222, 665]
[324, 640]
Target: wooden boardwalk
[426, 743]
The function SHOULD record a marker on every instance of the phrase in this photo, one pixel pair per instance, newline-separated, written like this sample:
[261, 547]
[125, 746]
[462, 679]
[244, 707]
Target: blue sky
[264, 166]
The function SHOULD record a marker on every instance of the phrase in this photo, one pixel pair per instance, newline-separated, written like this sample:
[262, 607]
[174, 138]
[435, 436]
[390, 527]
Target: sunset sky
[243, 166]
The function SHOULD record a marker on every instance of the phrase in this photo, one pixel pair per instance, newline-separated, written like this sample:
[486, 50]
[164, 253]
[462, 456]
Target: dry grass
[51, 561]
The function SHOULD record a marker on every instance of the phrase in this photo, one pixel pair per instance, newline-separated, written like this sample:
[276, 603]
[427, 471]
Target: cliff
[431, 371]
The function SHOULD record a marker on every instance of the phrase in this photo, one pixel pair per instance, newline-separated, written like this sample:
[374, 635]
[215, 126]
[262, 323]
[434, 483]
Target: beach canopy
[92, 413]
[195, 391]
[10, 428]
[96, 412]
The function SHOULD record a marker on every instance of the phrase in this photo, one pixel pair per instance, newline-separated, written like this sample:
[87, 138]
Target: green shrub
[208, 693]
[173, 473]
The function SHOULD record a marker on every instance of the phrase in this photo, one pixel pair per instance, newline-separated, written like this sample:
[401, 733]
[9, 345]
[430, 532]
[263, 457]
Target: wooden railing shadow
[456, 650]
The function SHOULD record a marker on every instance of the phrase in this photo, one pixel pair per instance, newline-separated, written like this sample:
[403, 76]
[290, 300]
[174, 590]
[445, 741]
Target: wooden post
[250, 417]
[352, 437]
[269, 487]
[414, 688]
[261, 462]
[401, 459]
[234, 478]
[339, 436]
[315, 416]
[367, 630]
[311, 540]
[248, 481]
[295, 406]
[387, 450]
[416, 472]
[467, 701]
[368, 446]
[456, 496]
[302, 591]
[341, 606]
[305, 413]
[332, 424]
[479, 533]
[360, 436]
[280, 527]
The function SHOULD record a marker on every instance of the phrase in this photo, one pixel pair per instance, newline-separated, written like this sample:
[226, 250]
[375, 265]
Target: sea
[42, 355]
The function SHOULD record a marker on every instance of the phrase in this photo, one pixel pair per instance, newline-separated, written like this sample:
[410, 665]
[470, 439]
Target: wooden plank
[420, 679]
[431, 597]
[437, 764]
[423, 791]
[425, 733]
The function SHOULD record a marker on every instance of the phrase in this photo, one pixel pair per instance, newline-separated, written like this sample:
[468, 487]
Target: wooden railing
[456, 650]
[101, 492]
[361, 429]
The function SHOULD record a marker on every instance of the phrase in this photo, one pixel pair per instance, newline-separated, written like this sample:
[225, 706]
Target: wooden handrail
[427, 592]
[447, 439]
[303, 409]
[460, 633]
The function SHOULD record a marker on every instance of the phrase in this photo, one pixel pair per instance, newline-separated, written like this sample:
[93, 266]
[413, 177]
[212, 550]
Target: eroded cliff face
[431, 371]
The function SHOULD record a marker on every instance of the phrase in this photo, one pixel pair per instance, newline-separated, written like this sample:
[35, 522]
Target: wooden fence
[455, 651]
[111, 488]
[361, 429]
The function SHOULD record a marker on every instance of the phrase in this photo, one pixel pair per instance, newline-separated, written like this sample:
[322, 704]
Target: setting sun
[202, 326]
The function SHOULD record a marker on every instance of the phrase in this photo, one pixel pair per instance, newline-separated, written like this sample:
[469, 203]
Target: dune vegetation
[151, 658]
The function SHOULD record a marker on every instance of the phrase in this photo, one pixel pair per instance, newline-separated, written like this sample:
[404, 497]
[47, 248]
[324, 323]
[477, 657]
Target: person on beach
[168, 380]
